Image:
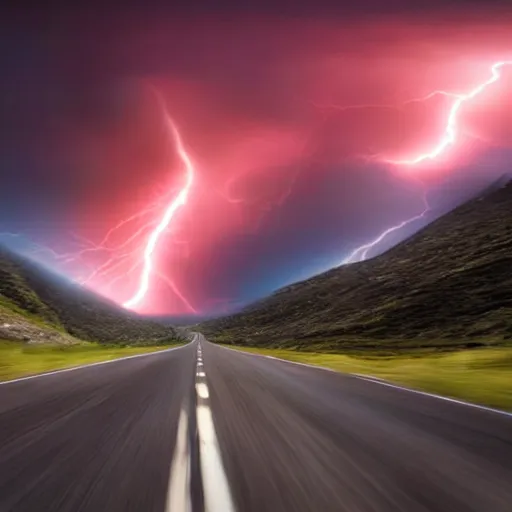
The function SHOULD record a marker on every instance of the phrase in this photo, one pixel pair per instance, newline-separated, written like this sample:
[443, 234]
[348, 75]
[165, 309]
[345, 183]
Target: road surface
[206, 428]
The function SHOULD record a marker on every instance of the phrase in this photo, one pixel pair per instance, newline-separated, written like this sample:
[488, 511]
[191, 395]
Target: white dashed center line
[202, 389]
[178, 494]
[217, 495]
[216, 492]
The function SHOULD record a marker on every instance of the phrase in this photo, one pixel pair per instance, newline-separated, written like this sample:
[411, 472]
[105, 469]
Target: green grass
[18, 359]
[482, 376]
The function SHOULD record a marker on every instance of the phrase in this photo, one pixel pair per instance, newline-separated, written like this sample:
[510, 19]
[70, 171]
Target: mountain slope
[34, 299]
[450, 284]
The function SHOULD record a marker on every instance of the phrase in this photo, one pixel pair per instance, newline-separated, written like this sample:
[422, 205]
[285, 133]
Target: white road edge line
[316, 367]
[90, 365]
[432, 395]
[216, 491]
[178, 492]
[382, 382]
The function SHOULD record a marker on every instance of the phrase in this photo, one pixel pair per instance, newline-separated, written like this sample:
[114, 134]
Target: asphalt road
[273, 436]
[98, 439]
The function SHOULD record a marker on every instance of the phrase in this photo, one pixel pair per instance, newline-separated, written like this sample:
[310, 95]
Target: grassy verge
[18, 359]
[482, 376]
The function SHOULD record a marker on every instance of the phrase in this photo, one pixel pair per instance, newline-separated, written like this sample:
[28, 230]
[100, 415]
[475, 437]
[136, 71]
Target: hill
[448, 285]
[39, 305]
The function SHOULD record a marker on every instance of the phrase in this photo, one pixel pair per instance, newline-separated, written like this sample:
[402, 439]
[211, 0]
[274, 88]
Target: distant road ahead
[285, 438]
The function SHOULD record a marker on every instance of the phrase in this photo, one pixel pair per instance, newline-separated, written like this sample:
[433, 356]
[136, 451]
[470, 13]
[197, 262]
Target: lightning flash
[448, 138]
[136, 255]
[361, 253]
[179, 201]
[137, 252]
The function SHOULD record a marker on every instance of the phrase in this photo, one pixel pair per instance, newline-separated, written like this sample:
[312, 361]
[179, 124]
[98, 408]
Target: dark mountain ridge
[449, 284]
[52, 300]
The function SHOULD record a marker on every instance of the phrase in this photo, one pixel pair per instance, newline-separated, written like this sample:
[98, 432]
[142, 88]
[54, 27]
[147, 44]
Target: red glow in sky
[448, 138]
[179, 201]
[452, 129]
[211, 194]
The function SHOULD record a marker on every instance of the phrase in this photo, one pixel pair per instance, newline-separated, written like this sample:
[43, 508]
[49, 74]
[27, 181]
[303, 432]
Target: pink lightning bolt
[179, 201]
[448, 139]
[153, 229]
[450, 133]
[361, 253]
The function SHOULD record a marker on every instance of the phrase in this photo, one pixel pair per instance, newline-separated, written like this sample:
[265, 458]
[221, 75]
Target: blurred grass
[482, 376]
[18, 359]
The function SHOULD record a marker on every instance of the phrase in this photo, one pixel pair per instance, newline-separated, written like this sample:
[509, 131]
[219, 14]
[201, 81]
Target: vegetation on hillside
[51, 302]
[448, 286]
[17, 295]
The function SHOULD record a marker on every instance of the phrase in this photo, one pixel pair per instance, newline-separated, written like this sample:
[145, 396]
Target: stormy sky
[292, 114]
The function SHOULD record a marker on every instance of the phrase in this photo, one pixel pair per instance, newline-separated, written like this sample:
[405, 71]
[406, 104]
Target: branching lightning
[448, 138]
[124, 259]
[170, 212]
[451, 131]
[136, 254]
[361, 253]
